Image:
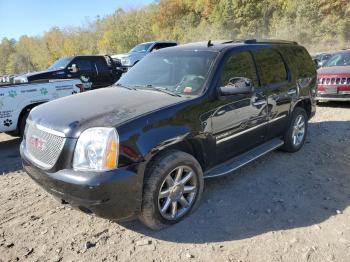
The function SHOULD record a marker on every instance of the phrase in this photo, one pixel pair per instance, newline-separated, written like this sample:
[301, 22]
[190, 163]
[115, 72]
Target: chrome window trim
[250, 129]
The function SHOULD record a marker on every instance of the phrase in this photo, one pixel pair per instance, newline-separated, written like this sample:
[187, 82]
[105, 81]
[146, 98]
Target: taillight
[81, 87]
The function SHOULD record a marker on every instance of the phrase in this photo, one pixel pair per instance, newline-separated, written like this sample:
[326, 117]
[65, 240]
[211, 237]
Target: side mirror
[318, 63]
[237, 85]
[73, 69]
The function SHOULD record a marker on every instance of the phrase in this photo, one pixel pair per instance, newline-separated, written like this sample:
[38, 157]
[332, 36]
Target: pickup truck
[100, 70]
[17, 100]
[138, 52]
[182, 114]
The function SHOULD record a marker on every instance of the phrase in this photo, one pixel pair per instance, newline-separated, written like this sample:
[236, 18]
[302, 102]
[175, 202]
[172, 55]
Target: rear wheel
[295, 136]
[172, 189]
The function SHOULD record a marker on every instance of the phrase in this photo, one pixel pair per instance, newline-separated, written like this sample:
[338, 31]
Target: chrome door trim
[249, 129]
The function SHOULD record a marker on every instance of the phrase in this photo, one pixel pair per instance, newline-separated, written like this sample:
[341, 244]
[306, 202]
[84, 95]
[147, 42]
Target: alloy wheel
[177, 193]
[298, 130]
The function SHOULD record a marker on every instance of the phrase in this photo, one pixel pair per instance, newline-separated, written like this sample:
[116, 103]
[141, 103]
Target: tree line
[317, 24]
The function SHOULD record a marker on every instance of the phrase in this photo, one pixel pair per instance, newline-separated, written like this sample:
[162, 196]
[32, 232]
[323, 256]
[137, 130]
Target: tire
[157, 181]
[22, 123]
[292, 144]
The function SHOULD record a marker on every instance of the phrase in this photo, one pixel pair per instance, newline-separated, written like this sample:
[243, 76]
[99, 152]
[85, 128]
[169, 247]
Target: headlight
[126, 61]
[97, 150]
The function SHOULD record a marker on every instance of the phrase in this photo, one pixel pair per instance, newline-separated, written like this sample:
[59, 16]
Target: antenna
[210, 43]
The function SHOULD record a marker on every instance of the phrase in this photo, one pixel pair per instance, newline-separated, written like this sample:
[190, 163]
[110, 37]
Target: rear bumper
[114, 194]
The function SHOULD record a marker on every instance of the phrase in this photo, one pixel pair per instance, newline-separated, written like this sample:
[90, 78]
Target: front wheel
[295, 136]
[172, 189]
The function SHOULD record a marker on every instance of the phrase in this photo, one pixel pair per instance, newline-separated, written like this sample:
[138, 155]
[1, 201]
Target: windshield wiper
[160, 89]
[127, 87]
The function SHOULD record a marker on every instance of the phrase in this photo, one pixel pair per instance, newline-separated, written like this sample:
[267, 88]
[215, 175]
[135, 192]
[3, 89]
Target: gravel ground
[282, 207]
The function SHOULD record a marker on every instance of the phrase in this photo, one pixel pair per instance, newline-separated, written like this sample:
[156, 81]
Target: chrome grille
[43, 145]
[334, 81]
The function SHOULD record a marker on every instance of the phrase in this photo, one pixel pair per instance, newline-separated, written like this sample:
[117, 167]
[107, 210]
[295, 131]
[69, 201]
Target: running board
[241, 160]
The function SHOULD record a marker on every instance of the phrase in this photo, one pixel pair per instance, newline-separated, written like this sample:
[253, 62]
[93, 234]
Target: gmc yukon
[180, 115]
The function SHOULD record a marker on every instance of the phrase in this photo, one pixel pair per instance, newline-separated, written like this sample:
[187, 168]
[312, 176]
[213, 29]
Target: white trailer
[16, 100]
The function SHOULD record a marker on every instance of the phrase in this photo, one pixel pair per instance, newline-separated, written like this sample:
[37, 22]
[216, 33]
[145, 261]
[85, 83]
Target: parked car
[140, 51]
[180, 115]
[99, 70]
[17, 100]
[334, 78]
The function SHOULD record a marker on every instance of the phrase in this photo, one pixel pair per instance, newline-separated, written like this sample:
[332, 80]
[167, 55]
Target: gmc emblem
[37, 143]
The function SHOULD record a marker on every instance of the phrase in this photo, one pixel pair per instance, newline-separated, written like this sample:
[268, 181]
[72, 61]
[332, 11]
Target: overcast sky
[33, 17]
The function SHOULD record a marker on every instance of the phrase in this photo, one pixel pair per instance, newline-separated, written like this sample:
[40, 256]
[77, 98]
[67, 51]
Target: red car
[334, 78]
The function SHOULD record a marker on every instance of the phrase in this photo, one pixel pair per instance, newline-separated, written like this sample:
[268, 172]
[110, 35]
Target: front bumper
[335, 97]
[115, 194]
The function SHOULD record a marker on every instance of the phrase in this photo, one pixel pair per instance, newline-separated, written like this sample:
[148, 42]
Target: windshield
[60, 63]
[181, 72]
[340, 59]
[140, 48]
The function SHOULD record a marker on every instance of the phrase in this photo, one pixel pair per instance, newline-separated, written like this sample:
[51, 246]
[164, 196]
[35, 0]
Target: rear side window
[272, 67]
[101, 65]
[239, 65]
[83, 64]
[300, 61]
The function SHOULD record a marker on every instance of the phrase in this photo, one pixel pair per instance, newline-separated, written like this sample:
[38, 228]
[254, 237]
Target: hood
[120, 56]
[334, 70]
[105, 107]
[47, 74]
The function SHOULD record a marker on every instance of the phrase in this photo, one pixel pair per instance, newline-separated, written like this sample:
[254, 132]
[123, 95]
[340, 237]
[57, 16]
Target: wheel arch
[191, 146]
[27, 108]
[306, 104]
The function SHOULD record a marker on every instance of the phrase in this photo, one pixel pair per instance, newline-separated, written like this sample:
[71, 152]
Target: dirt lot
[282, 207]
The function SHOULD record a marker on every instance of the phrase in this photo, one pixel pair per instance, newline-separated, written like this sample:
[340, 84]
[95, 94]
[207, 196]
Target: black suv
[178, 116]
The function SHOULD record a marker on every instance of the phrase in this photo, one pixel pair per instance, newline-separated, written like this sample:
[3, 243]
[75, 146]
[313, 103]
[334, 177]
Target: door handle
[292, 91]
[259, 103]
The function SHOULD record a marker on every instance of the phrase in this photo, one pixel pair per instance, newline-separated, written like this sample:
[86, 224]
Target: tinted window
[340, 59]
[83, 64]
[271, 65]
[101, 65]
[178, 71]
[238, 65]
[61, 63]
[299, 61]
[140, 48]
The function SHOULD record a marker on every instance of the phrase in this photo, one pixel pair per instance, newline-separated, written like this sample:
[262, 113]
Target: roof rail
[268, 41]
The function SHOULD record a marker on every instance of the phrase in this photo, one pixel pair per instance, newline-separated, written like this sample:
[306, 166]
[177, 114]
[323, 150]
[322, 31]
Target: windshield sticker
[12, 93]
[188, 89]
[43, 91]
[8, 122]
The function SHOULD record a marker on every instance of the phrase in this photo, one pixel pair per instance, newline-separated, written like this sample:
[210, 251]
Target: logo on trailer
[37, 143]
[43, 91]
[12, 93]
